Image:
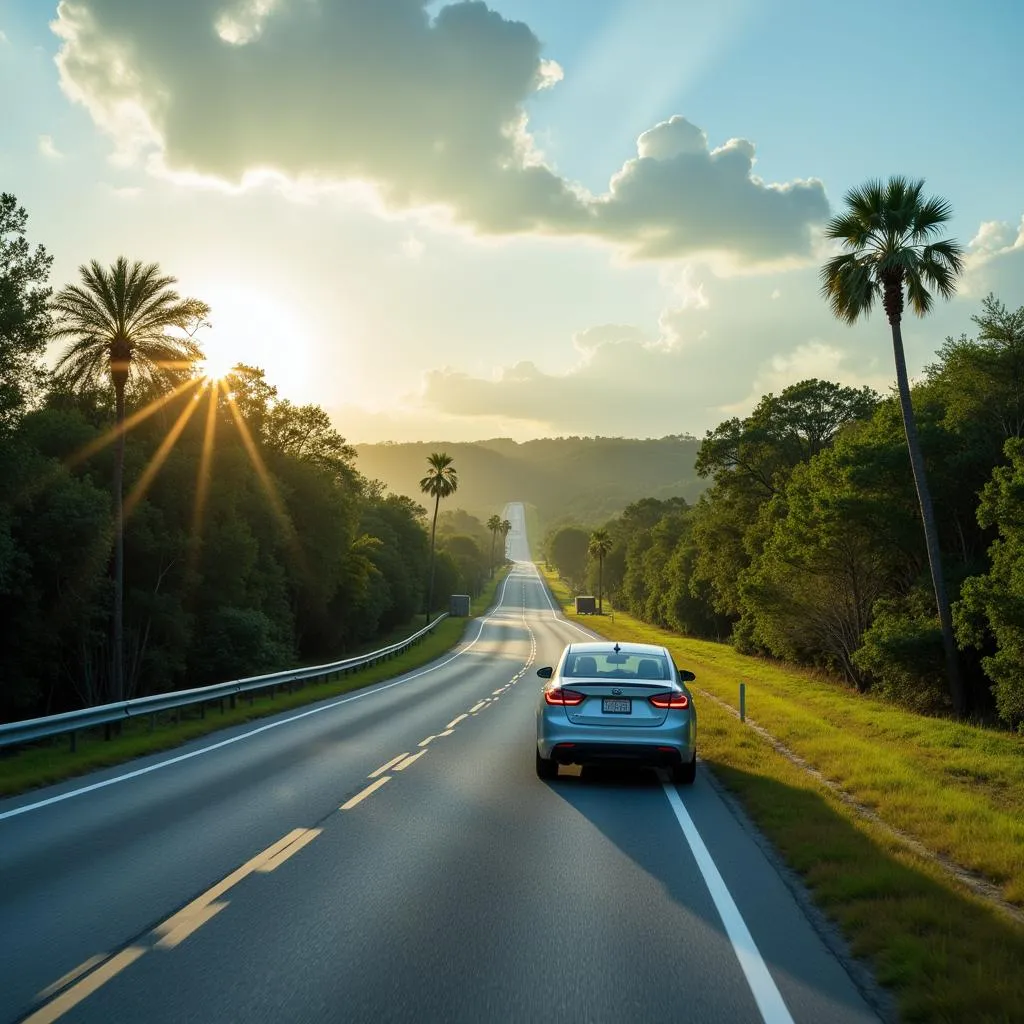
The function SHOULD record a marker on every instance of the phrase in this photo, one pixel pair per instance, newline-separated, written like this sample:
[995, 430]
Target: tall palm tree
[889, 231]
[118, 318]
[440, 482]
[506, 529]
[494, 525]
[599, 546]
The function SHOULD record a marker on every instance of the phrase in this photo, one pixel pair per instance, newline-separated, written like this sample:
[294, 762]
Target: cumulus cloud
[995, 262]
[48, 148]
[430, 109]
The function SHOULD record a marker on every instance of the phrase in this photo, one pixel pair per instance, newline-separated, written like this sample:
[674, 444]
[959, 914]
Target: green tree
[506, 529]
[599, 547]
[24, 312]
[118, 319]
[568, 550]
[992, 604]
[890, 233]
[440, 482]
[494, 526]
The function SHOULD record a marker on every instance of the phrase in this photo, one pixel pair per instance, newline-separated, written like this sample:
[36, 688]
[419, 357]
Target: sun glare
[248, 326]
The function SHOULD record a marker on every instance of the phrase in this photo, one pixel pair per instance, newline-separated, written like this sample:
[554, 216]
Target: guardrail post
[74, 741]
[232, 701]
[152, 721]
[106, 730]
[220, 704]
[743, 702]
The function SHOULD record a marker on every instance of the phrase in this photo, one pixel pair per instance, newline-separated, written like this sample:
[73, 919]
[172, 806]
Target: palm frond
[919, 298]
[849, 285]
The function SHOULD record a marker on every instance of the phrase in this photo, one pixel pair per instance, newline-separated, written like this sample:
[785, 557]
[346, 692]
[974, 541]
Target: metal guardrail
[71, 722]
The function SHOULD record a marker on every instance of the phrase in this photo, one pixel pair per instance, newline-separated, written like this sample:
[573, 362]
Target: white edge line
[37, 805]
[762, 984]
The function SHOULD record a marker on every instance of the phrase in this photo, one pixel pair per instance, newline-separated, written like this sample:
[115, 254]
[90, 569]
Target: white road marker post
[743, 702]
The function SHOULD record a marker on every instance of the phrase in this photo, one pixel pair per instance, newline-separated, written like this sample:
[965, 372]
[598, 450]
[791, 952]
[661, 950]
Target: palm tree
[506, 529]
[118, 319]
[599, 546]
[889, 231]
[494, 525]
[440, 482]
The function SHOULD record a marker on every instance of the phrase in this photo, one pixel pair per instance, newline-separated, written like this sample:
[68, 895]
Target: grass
[52, 761]
[959, 789]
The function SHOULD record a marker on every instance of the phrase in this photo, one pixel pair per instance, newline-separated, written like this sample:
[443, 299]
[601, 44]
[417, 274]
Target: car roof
[606, 647]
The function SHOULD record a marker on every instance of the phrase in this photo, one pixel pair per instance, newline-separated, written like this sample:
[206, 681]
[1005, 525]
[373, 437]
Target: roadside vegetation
[946, 954]
[53, 761]
[160, 529]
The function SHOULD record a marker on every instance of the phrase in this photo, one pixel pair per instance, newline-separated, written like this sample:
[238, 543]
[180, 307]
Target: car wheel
[685, 774]
[547, 767]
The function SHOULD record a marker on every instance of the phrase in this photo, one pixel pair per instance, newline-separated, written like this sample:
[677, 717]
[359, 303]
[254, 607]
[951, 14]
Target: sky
[524, 218]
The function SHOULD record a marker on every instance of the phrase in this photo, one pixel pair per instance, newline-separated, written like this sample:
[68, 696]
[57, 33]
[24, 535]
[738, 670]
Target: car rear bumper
[634, 753]
[672, 743]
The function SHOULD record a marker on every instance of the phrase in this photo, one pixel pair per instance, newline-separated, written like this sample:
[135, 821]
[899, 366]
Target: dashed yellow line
[423, 743]
[364, 793]
[289, 851]
[84, 988]
[455, 721]
[408, 761]
[387, 767]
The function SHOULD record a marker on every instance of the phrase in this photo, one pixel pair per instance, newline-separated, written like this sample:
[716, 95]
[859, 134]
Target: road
[391, 856]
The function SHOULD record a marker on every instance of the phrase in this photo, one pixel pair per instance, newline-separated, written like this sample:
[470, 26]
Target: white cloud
[48, 148]
[995, 262]
[3, 37]
[430, 109]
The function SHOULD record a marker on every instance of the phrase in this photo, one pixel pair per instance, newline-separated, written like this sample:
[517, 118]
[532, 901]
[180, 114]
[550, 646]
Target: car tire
[685, 774]
[547, 767]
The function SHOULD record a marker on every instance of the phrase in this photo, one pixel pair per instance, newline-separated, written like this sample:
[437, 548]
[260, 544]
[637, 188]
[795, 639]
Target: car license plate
[616, 707]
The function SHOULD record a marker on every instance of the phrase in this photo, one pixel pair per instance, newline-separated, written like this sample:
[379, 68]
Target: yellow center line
[423, 743]
[84, 988]
[455, 721]
[476, 707]
[408, 761]
[73, 975]
[364, 793]
[183, 927]
[385, 767]
[289, 851]
[447, 732]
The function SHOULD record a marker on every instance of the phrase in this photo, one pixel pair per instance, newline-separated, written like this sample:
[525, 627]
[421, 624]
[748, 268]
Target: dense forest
[251, 540]
[585, 477]
[807, 545]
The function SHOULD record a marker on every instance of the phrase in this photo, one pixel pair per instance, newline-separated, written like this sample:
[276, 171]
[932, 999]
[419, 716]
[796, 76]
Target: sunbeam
[137, 417]
[138, 492]
[203, 479]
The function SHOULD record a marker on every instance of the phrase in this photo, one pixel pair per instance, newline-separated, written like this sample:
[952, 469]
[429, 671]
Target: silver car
[621, 702]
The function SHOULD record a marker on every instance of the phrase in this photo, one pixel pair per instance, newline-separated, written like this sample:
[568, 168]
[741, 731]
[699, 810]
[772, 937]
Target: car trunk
[619, 702]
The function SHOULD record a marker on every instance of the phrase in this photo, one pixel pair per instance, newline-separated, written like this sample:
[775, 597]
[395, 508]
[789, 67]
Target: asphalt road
[280, 872]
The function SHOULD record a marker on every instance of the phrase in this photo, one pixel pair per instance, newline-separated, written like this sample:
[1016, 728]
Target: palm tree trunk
[600, 584]
[117, 679]
[430, 585]
[494, 537]
[931, 533]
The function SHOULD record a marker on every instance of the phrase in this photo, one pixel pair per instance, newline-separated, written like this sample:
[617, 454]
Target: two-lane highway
[392, 856]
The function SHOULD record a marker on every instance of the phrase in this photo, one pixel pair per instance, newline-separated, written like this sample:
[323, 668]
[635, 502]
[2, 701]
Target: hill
[592, 478]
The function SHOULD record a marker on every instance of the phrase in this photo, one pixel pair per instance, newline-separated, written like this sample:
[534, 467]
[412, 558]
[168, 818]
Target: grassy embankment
[959, 790]
[53, 761]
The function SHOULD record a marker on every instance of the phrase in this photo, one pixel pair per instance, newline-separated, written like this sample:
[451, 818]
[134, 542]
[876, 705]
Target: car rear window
[609, 665]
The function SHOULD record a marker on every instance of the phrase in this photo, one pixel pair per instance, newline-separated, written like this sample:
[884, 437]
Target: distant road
[391, 856]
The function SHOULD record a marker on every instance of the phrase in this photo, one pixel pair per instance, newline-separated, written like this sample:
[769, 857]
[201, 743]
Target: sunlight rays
[138, 492]
[137, 417]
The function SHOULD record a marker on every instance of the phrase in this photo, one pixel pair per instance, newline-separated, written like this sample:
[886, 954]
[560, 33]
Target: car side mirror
[545, 672]
[685, 675]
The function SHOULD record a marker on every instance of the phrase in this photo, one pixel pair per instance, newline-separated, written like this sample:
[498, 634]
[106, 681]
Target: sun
[219, 362]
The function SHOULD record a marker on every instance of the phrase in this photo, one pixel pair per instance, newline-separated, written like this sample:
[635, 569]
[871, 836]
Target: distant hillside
[592, 478]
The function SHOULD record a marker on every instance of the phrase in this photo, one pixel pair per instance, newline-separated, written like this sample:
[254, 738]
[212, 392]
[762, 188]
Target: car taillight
[563, 698]
[675, 701]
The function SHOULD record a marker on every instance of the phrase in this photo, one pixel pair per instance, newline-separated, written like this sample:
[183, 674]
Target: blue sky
[387, 272]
